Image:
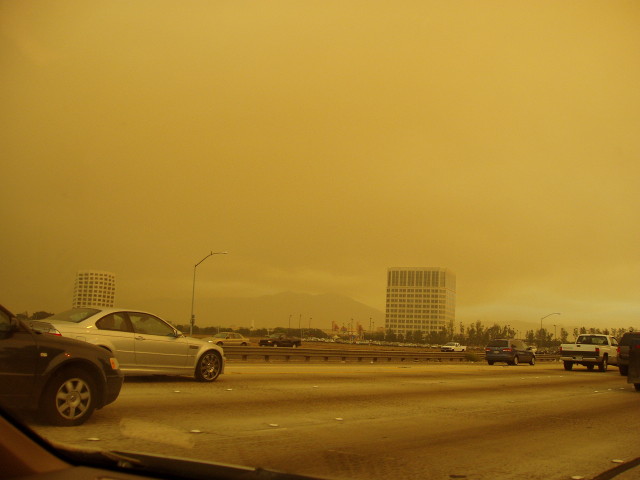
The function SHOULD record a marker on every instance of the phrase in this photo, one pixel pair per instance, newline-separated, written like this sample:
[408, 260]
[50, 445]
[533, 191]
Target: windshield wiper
[617, 470]
[171, 467]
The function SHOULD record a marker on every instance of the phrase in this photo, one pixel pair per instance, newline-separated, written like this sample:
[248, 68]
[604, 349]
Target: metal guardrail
[334, 354]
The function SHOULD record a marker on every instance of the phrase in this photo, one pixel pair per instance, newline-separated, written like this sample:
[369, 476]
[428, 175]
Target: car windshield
[380, 225]
[75, 315]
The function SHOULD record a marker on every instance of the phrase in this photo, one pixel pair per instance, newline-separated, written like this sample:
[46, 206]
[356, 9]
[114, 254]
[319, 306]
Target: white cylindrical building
[94, 288]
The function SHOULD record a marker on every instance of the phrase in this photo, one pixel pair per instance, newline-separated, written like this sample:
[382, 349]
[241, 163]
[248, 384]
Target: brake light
[507, 350]
[597, 351]
[618, 350]
[561, 349]
[487, 349]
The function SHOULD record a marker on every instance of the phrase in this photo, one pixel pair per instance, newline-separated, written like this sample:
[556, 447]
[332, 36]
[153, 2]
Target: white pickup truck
[452, 347]
[590, 350]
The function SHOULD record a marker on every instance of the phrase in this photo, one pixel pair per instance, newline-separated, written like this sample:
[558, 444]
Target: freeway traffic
[364, 420]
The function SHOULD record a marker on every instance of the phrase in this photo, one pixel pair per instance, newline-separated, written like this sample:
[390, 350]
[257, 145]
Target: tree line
[475, 334]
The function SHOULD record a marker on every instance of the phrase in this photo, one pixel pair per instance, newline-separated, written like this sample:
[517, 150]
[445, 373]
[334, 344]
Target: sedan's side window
[114, 321]
[149, 325]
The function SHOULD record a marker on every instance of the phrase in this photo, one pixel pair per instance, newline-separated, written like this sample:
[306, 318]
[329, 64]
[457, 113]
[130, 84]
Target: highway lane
[362, 421]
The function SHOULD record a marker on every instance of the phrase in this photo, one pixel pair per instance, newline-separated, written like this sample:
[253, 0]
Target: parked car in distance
[228, 339]
[590, 350]
[623, 350]
[61, 379]
[143, 343]
[453, 347]
[510, 351]
[280, 340]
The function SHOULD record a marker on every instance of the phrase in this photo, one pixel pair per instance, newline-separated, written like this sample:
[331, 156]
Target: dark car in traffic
[62, 379]
[628, 339]
[510, 351]
[280, 340]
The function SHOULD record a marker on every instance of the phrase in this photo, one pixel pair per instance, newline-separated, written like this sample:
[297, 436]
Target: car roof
[107, 310]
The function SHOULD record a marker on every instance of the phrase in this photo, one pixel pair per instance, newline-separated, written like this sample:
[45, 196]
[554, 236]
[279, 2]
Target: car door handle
[139, 337]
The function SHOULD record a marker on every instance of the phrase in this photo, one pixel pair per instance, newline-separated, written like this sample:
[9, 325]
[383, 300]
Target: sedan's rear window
[74, 315]
[628, 337]
[498, 343]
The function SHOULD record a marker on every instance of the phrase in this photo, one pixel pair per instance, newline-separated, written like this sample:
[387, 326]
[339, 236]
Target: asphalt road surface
[379, 421]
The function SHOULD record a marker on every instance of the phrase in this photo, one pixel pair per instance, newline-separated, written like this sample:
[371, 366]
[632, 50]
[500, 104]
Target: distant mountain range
[279, 310]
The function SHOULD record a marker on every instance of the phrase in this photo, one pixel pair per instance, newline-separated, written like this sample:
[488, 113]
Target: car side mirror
[7, 328]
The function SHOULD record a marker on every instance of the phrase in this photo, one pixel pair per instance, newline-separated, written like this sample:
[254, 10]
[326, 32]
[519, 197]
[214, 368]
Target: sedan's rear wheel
[490, 362]
[515, 360]
[208, 367]
[69, 399]
[533, 360]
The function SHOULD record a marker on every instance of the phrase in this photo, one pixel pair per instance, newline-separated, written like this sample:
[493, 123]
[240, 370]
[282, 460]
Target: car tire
[295, 345]
[69, 398]
[533, 360]
[590, 367]
[602, 366]
[624, 370]
[220, 344]
[490, 362]
[243, 344]
[515, 361]
[208, 367]
[637, 387]
[568, 366]
[275, 344]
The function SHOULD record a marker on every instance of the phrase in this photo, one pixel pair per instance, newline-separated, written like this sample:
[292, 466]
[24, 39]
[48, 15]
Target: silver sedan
[143, 343]
[228, 339]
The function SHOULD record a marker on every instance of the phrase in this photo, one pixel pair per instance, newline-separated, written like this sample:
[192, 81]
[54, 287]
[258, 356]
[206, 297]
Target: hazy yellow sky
[320, 142]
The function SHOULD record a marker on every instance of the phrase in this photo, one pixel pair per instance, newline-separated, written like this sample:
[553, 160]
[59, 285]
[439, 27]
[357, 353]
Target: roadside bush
[472, 357]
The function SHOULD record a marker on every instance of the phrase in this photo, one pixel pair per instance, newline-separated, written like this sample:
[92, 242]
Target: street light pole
[555, 313]
[193, 290]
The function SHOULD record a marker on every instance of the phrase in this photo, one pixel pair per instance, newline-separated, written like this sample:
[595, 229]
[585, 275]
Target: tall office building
[420, 299]
[94, 288]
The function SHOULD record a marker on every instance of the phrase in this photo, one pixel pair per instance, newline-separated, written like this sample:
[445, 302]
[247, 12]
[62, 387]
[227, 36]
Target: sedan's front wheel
[69, 399]
[208, 367]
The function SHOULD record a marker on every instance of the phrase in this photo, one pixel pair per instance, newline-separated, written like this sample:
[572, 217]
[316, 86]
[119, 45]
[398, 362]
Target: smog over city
[319, 151]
